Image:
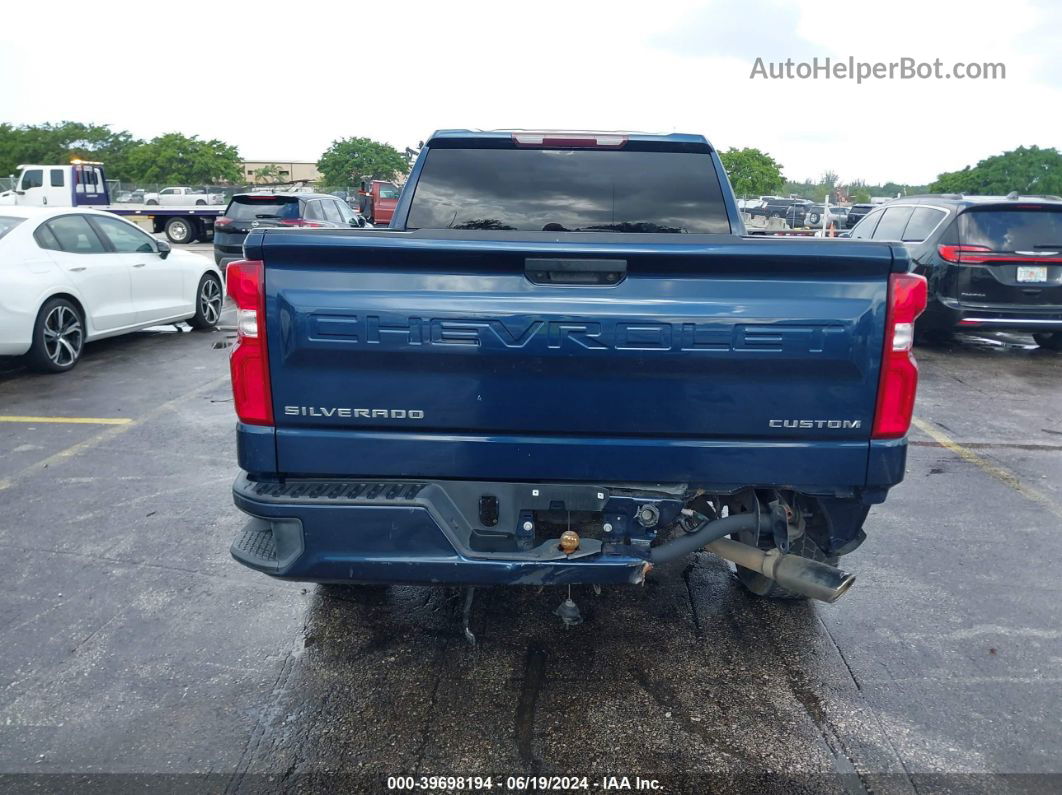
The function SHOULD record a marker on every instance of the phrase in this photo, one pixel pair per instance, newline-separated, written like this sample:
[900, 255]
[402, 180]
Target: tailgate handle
[588, 272]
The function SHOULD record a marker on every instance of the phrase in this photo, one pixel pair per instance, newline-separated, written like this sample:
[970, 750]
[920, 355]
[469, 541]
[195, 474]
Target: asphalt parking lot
[136, 652]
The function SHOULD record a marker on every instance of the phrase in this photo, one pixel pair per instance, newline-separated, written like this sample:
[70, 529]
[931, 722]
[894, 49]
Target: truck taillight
[249, 362]
[899, 372]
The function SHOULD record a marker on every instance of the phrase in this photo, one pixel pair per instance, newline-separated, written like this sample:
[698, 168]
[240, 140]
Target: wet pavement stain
[533, 679]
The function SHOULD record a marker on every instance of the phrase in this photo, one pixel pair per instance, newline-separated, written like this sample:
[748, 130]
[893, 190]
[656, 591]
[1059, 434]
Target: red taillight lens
[222, 221]
[979, 255]
[297, 222]
[249, 362]
[899, 372]
[962, 255]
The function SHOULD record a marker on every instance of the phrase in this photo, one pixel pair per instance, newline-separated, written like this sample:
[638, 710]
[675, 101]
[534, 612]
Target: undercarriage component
[798, 574]
[706, 533]
[648, 515]
[568, 612]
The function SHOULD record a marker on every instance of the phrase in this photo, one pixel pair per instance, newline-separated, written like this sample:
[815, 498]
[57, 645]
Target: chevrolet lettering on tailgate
[397, 331]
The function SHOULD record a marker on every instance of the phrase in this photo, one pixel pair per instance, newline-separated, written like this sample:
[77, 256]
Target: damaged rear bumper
[456, 532]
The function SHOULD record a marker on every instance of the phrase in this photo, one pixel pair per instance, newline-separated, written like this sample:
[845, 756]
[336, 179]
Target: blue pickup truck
[566, 363]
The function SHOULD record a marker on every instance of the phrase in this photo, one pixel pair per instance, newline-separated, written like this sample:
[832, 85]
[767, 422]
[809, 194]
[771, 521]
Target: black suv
[993, 262]
[782, 208]
[249, 211]
[857, 212]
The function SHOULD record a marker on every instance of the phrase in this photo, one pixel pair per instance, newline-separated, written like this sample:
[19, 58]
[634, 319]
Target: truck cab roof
[678, 139]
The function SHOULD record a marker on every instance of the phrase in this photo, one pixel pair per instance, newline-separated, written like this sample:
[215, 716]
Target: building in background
[265, 172]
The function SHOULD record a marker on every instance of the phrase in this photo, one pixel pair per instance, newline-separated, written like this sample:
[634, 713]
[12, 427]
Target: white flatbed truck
[81, 183]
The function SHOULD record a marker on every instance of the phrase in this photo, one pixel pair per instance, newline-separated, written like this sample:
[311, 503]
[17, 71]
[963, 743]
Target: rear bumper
[227, 246]
[15, 347]
[17, 318]
[414, 532]
[437, 531]
[952, 313]
[224, 254]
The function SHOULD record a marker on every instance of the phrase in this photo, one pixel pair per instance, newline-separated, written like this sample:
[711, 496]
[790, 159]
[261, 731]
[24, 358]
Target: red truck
[377, 201]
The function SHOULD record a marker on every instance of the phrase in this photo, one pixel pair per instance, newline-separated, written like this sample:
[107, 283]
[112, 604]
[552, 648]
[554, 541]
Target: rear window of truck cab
[569, 190]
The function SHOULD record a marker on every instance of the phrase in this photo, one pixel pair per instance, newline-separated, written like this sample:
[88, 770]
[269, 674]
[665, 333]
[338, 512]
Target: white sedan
[72, 275]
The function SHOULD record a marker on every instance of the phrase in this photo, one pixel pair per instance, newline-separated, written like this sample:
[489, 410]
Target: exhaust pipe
[800, 575]
[707, 532]
[804, 576]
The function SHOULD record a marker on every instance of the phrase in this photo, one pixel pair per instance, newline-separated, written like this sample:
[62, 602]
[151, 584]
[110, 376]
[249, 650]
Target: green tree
[184, 160]
[352, 160]
[64, 141]
[953, 182]
[859, 196]
[1027, 169]
[751, 172]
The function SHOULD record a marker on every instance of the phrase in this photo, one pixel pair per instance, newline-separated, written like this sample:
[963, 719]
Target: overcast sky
[282, 81]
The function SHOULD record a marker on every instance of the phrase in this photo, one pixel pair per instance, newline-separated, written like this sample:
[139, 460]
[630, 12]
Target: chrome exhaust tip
[812, 578]
[800, 575]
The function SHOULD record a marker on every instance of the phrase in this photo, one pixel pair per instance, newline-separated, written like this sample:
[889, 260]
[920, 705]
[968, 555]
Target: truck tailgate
[710, 359]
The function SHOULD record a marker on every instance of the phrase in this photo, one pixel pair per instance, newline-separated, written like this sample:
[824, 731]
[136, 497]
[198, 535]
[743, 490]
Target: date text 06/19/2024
[522, 783]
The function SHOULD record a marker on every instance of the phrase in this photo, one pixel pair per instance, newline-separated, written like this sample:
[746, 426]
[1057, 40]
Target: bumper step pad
[337, 491]
[256, 543]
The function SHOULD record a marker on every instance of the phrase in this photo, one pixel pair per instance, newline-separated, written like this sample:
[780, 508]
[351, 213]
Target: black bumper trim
[339, 492]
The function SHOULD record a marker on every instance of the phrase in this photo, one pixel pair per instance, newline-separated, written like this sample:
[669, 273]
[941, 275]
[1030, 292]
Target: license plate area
[1032, 274]
[520, 520]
